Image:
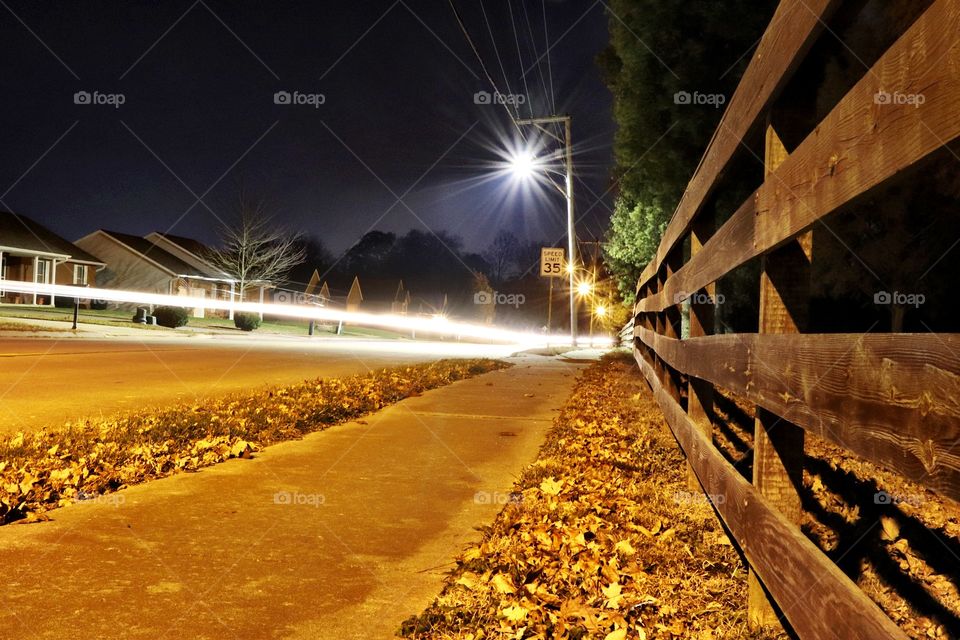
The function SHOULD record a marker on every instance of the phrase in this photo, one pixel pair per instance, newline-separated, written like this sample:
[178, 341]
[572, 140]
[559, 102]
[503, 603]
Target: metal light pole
[567, 141]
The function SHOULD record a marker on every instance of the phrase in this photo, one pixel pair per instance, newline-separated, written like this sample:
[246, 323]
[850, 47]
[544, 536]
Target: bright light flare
[601, 311]
[584, 288]
[523, 164]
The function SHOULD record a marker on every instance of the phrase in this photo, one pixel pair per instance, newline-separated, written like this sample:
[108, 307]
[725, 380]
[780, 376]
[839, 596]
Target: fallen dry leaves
[599, 545]
[50, 468]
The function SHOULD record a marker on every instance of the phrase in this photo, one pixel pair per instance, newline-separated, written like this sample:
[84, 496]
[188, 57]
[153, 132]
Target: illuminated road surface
[45, 382]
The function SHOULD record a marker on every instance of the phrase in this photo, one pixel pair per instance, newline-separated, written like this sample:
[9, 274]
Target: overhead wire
[523, 76]
[546, 39]
[533, 46]
[483, 66]
[496, 52]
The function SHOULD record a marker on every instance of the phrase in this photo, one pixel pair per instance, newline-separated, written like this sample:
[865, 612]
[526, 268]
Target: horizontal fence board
[893, 399]
[796, 24]
[816, 597]
[860, 145]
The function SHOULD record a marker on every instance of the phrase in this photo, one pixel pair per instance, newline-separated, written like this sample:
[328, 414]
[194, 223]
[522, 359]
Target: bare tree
[254, 250]
[501, 253]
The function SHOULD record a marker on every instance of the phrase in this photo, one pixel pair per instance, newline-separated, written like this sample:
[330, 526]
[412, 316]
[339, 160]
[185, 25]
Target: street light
[519, 167]
[523, 165]
[584, 288]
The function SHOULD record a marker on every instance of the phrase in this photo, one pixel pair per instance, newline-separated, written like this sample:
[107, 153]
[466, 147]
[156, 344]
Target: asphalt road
[47, 382]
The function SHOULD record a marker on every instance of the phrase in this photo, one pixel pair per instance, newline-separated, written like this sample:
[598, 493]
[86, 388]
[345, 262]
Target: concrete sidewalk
[341, 535]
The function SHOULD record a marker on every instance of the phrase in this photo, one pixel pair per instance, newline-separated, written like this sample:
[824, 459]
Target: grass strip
[50, 468]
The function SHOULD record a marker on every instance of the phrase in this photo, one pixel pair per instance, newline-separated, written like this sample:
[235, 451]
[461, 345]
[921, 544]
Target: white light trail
[436, 325]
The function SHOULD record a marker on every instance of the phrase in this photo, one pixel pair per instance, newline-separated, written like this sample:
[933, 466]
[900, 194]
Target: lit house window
[80, 274]
[43, 271]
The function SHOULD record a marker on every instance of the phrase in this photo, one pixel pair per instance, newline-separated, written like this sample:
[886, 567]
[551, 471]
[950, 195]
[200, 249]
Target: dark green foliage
[246, 321]
[658, 49]
[172, 317]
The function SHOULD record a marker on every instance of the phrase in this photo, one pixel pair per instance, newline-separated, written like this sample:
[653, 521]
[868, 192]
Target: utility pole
[567, 142]
[594, 261]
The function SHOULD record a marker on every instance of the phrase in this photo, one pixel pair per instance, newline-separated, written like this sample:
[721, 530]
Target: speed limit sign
[551, 262]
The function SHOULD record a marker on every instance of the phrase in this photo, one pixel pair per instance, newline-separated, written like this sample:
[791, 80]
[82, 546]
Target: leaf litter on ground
[48, 468]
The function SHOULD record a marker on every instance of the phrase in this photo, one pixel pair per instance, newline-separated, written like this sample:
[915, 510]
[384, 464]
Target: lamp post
[526, 166]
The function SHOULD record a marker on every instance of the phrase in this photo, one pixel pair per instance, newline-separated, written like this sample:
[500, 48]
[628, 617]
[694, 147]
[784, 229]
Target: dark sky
[199, 119]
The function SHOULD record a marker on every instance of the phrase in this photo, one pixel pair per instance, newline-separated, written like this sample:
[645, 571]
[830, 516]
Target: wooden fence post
[672, 323]
[778, 444]
[702, 309]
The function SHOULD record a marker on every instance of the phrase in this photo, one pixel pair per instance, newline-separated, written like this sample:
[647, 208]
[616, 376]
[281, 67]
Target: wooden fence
[893, 399]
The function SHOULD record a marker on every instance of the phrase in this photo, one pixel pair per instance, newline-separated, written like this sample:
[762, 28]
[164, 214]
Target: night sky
[199, 119]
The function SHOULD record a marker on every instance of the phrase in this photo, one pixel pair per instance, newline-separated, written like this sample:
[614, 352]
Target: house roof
[17, 231]
[153, 252]
[195, 247]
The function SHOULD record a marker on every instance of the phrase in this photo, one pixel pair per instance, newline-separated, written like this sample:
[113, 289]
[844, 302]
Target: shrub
[172, 317]
[246, 321]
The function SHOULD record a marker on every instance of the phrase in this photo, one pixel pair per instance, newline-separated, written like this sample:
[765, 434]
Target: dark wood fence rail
[893, 399]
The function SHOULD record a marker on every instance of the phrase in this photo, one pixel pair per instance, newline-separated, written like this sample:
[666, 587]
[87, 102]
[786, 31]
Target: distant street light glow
[584, 288]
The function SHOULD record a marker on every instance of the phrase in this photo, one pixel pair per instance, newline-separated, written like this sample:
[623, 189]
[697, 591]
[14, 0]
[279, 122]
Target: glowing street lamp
[584, 288]
[524, 166]
[600, 311]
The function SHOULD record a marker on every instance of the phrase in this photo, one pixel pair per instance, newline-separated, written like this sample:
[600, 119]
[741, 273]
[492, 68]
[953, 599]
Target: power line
[523, 76]
[496, 52]
[533, 46]
[546, 37]
[483, 67]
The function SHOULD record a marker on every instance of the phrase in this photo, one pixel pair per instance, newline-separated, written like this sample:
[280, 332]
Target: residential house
[155, 264]
[195, 253]
[29, 252]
